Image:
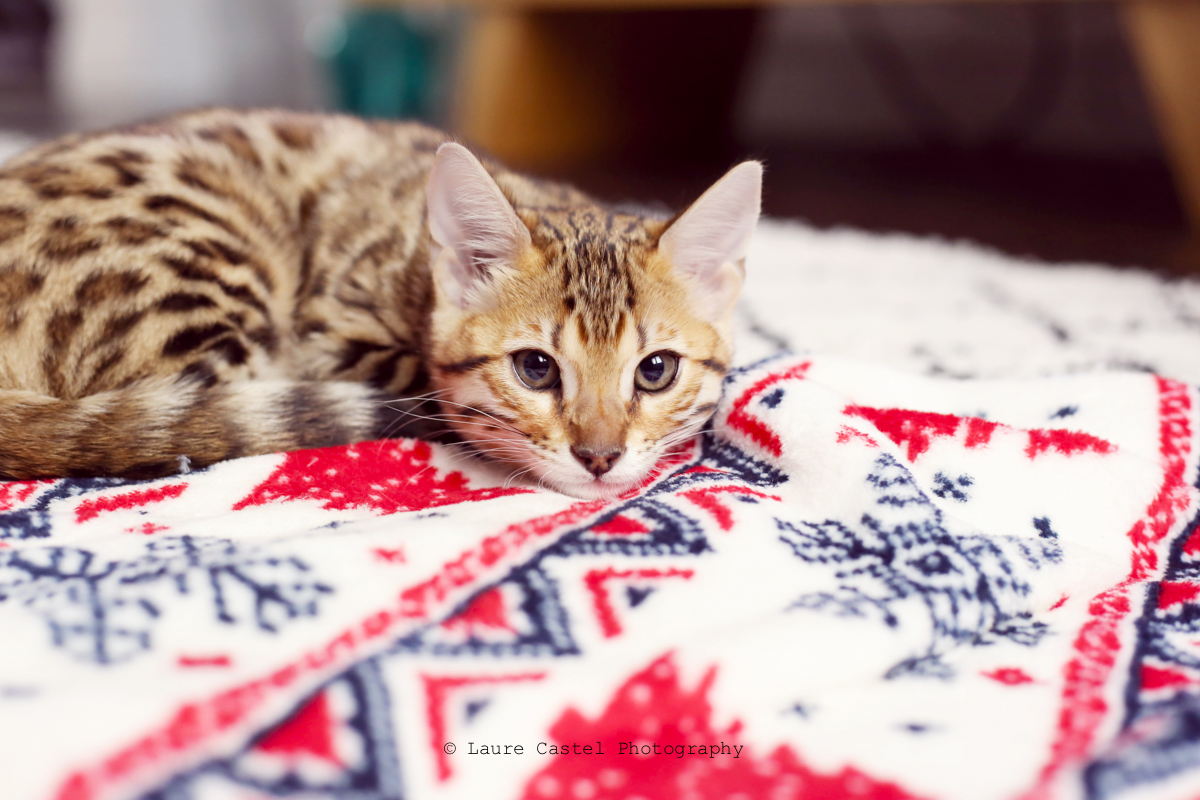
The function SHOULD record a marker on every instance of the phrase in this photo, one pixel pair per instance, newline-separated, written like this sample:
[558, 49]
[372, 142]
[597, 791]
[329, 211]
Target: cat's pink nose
[597, 460]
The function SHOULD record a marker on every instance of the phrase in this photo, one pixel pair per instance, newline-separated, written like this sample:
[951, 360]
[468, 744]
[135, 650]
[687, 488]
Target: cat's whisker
[455, 415]
[466, 453]
[411, 397]
[681, 435]
[674, 443]
[472, 455]
[515, 475]
[489, 426]
[450, 425]
[418, 474]
[497, 437]
[454, 458]
[401, 424]
[476, 410]
[497, 442]
[497, 453]
[481, 424]
[389, 432]
[491, 447]
[467, 419]
[446, 419]
[478, 428]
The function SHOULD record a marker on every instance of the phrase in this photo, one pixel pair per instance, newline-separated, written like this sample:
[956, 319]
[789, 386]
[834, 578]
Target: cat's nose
[597, 460]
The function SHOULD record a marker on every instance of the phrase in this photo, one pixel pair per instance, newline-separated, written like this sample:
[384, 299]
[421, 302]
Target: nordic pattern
[105, 611]
[973, 587]
[24, 507]
[355, 611]
[1161, 724]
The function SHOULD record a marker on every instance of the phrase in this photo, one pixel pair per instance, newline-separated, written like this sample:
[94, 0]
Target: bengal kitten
[226, 283]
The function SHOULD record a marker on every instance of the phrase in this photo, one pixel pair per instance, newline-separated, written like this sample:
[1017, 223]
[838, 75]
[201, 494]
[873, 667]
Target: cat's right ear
[708, 242]
[472, 220]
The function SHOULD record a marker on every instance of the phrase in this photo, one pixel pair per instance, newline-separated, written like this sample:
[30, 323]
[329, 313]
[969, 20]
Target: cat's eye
[656, 372]
[535, 369]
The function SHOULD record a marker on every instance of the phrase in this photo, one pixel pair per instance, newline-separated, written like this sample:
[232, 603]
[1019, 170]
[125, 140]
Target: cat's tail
[161, 427]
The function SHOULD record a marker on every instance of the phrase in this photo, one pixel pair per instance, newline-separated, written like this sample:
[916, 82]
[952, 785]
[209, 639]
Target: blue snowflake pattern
[972, 586]
[33, 521]
[104, 611]
[949, 488]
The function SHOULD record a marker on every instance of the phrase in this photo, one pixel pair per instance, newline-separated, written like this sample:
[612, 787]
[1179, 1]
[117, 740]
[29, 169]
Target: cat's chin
[590, 489]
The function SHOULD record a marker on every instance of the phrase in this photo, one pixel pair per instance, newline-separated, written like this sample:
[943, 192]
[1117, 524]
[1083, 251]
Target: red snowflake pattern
[651, 708]
[387, 477]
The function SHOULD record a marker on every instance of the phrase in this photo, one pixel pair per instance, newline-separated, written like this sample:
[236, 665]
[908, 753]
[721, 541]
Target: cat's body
[228, 283]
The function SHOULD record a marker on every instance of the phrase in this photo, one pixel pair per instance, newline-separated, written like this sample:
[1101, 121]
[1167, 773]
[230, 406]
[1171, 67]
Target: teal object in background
[387, 65]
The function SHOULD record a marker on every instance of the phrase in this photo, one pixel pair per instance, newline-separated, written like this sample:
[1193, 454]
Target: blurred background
[1036, 128]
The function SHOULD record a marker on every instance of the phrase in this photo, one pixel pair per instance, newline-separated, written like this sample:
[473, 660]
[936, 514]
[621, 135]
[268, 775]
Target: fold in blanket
[858, 583]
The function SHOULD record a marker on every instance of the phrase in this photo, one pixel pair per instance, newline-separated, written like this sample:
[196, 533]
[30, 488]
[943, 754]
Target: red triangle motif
[437, 693]
[307, 732]
[486, 610]
[1172, 592]
[1160, 678]
[597, 584]
[621, 525]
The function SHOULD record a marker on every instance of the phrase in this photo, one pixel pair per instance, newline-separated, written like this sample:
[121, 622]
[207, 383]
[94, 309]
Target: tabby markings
[131, 231]
[123, 163]
[185, 301]
[295, 137]
[191, 271]
[190, 339]
[104, 284]
[466, 365]
[120, 325]
[166, 202]
[64, 241]
[235, 140]
[12, 222]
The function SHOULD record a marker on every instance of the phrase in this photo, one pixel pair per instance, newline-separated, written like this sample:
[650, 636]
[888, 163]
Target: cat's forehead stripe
[593, 250]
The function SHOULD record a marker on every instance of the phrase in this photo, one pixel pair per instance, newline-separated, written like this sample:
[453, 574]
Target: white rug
[955, 309]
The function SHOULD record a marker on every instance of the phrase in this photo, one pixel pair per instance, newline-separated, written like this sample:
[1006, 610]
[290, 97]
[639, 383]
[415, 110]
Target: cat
[225, 283]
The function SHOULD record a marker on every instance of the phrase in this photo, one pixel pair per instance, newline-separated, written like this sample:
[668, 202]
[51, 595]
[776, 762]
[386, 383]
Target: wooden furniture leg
[552, 88]
[1165, 35]
[530, 94]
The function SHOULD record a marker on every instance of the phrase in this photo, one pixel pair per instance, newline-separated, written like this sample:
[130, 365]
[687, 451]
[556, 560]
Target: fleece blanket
[862, 581]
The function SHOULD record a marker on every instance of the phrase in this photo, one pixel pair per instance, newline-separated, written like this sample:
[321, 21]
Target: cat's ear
[471, 218]
[708, 242]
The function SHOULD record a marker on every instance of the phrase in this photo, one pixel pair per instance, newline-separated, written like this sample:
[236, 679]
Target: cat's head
[576, 343]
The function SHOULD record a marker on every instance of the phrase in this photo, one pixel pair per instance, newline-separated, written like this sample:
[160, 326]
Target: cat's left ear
[472, 219]
[708, 242]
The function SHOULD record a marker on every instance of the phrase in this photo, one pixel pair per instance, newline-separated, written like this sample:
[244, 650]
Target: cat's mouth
[593, 488]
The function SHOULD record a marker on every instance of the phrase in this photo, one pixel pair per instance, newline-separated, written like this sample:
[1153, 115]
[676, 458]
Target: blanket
[866, 579]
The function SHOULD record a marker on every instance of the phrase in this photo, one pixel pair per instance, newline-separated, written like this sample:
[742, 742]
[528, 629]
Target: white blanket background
[939, 543]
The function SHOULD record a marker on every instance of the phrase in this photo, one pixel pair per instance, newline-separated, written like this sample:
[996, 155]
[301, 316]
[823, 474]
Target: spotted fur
[225, 283]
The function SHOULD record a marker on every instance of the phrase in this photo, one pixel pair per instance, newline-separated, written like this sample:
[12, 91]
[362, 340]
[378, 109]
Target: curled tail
[149, 428]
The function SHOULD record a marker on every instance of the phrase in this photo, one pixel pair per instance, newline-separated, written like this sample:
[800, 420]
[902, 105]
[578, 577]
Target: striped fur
[226, 283]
